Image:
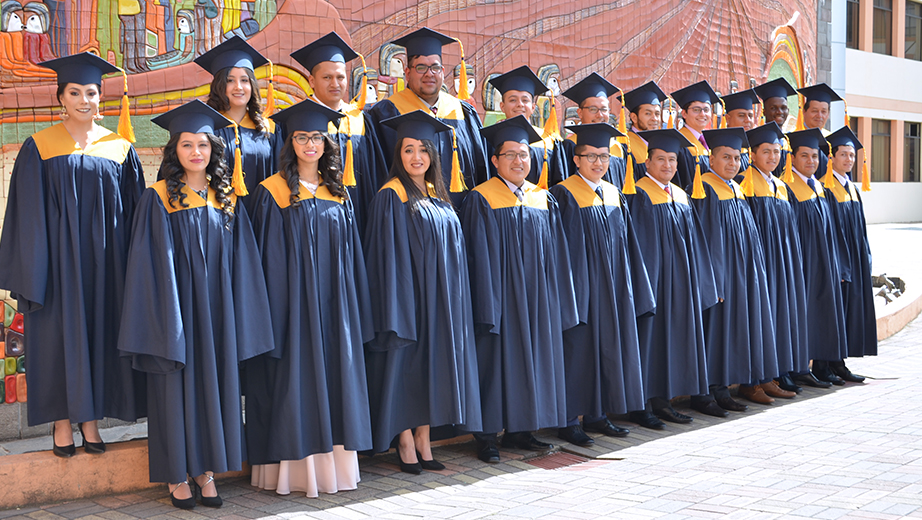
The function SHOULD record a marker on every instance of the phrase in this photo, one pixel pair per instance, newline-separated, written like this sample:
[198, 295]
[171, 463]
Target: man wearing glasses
[425, 74]
[696, 102]
[591, 94]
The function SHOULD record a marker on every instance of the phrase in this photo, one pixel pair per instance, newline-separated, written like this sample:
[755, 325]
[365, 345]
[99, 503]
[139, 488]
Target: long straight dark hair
[433, 174]
[329, 167]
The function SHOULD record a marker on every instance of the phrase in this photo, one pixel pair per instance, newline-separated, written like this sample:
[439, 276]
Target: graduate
[235, 94]
[847, 212]
[307, 399]
[425, 74]
[822, 263]
[817, 100]
[325, 61]
[774, 95]
[674, 249]
[521, 281]
[591, 95]
[519, 88]
[696, 102]
[73, 190]
[740, 113]
[645, 108]
[199, 307]
[421, 365]
[601, 354]
[774, 217]
[738, 332]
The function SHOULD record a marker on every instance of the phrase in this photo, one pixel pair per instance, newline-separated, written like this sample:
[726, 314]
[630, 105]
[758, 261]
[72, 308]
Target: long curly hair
[172, 172]
[433, 175]
[329, 167]
[217, 98]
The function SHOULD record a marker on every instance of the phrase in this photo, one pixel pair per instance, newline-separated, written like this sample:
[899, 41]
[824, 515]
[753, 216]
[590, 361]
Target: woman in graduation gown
[422, 367]
[199, 307]
[307, 400]
[73, 192]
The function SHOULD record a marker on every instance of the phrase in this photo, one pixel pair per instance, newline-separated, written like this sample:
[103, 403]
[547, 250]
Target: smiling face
[844, 159]
[81, 102]
[742, 118]
[591, 162]
[329, 82]
[193, 151]
[238, 89]
[816, 114]
[428, 83]
[662, 165]
[806, 160]
[308, 146]
[647, 117]
[517, 102]
[766, 156]
[415, 159]
[594, 110]
[513, 162]
[725, 162]
[776, 109]
[697, 115]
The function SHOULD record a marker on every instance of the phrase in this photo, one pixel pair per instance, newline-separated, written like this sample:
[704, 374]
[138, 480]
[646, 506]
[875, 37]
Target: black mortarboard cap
[668, 140]
[700, 91]
[424, 42]
[740, 100]
[85, 68]
[307, 116]
[193, 117]
[820, 92]
[647, 94]
[597, 134]
[416, 125]
[844, 137]
[775, 88]
[516, 129]
[234, 52]
[328, 48]
[730, 137]
[592, 85]
[522, 79]
[810, 138]
[768, 133]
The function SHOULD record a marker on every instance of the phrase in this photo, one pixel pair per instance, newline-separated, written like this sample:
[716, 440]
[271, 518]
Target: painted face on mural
[238, 88]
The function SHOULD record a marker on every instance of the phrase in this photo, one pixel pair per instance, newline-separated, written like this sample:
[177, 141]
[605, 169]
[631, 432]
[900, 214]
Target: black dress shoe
[182, 503]
[605, 427]
[575, 435]
[647, 420]
[524, 441]
[809, 379]
[214, 501]
[786, 383]
[846, 374]
[730, 405]
[669, 414]
[96, 448]
[487, 451]
[429, 465]
[709, 408]
[413, 469]
[62, 451]
[824, 374]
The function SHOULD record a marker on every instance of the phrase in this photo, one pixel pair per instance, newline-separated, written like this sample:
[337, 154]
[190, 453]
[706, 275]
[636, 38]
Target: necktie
[703, 142]
[598, 191]
[668, 191]
[812, 184]
[435, 110]
[519, 194]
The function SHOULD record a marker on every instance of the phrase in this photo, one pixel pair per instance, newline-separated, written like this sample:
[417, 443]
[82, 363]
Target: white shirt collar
[694, 132]
[766, 176]
[843, 179]
[314, 97]
[591, 184]
[802, 176]
[511, 186]
[658, 183]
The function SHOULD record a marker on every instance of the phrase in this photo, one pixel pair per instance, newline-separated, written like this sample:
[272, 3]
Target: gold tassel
[723, 114]
[551, 127]
[800, 115]
[349, 166]
[629, 188]
[865, 174]
[542, 181]
[748, 184]
[622, 121]
[829, 180]
[361, 98]
[847, 119]
[788, 170]
[714, 121]
[698, 184]
[672, 114]
[463, 94]
[270, 97]
[124, 117]
[457, 179]
[240, 188]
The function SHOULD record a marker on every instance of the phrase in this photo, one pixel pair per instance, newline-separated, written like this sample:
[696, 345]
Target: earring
[208, 177]
[64, 114]
[98, 116]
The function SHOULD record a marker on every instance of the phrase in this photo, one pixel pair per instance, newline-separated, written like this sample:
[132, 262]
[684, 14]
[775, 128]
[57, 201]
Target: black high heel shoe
[214, 501]
[414, 469]
[96, 448]
[430, 465]
[62, 451]
[182, 503]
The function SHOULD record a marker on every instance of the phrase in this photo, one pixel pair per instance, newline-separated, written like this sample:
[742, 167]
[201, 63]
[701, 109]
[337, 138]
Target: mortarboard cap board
[193, 117]
[730, 137]
[234, 52]
[416, 125]
[820, 92]
[768, 133]
[646, 94]
[85, 68]
[844, 137]
[598, 135]
[775, 88]
[522, 79]
[810, 138]
[307, 116]
[669, 140]
[327, 48]
[424, 42]
[700, 91]
[741, 100]
[516, 129]
[592, 85]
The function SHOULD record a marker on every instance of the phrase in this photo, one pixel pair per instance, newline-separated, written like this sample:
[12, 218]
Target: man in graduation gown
[645, 108]
[520, 278]
[696, 102]
[325, 61]
[591, 95]
[519, 88]
[817, 99]
[672, 351]
[774, 95]
[739, 332]
[601, 354]
[740, 113]
[425, 74]
[822, 264]
[847, 213]
[776, 222]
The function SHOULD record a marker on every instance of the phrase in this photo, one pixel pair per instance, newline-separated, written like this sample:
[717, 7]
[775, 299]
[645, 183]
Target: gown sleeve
[251, 300]
[566, 293]
[572, 224]
[480, 235]
[478, 145]
[132, 182]
[646, 232]
[269, 232]
[709, 216]
[644, 299]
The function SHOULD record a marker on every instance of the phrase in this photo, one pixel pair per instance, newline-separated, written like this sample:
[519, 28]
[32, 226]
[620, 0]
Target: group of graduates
[378, 277]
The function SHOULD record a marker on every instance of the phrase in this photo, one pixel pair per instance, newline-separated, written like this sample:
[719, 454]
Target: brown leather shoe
[755, 394]
[772, 389]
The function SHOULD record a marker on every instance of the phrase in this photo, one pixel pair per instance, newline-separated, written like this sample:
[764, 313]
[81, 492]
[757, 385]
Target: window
[912, 149]
[880, 150]
[913, 31]
[883, 26]
[851, 24]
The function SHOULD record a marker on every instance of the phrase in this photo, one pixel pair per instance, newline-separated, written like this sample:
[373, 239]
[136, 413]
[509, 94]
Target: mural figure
[36, 44]
[390, 78]
[371, 96]
[471, 81]
[185, 48]
[15, 66]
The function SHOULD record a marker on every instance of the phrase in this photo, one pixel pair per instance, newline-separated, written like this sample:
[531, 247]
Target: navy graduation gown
[64, 249]
[689, 157]
[259, 151]
[617, 165]
[521, 281]
[472, 150]
[825, 312]
[309, 393]
[672, 352]
[602, 354]
[198, 308]
[421, 366]
[739, 334]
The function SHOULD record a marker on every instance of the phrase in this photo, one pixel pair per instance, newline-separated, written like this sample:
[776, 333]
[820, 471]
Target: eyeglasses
[595, 110]
[302, 139]
[699, 110]
[510, 156]
[435, 68]
[592, 157]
